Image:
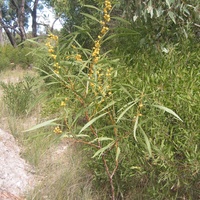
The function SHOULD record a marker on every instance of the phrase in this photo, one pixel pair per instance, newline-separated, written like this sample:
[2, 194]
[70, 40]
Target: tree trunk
[10, 37]
[21, 15]
[8, 33]
[1, 30]
[34, 17]
[1, 36]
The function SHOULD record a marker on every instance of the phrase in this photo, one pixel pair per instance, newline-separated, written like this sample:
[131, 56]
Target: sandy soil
[15, 174]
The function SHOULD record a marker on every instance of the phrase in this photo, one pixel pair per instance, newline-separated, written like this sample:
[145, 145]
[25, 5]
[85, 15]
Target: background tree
[32, 7]
[15, 17]
[1, 28]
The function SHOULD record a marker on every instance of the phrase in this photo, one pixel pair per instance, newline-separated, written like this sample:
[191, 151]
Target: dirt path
[15, 174]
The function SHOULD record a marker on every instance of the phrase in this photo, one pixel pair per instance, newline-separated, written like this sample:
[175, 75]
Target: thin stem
[110, 178]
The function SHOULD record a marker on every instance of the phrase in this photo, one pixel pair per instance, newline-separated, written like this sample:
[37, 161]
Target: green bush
[19, 96]
[11, 57]
[155, 154]
[122, 107]
[4, 63]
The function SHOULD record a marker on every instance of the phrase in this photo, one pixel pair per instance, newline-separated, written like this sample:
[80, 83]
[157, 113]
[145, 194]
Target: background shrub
[19, 96]
[12, 57]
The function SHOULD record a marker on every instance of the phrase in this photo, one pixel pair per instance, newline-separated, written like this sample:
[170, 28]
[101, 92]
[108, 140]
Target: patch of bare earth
[15, 174]
[17, 177]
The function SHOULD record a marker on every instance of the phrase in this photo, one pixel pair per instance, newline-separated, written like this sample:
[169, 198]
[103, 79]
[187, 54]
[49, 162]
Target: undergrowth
[134, 112]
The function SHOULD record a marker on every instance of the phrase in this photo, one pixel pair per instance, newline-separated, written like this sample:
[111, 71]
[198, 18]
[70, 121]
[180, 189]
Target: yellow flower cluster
[63, 104]
[100, 79]
[53, 37]
[53, 56]
[51, 42]
[108, 6]
[104, 30]
[57, 130]
[96, 49]
[56, 68]
[108, 73]
[74, 54]
[50, 47]
[78, 57]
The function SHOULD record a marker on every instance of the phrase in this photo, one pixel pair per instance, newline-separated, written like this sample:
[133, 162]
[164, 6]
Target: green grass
[171, 80]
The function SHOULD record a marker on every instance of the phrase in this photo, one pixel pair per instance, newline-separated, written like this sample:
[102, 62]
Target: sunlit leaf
[172, 16]
[169, 111]
[44, 124]
[135, 167]
[93, 7]
[117, 153]
[135, 127]
[91, 17]
[146, 139]
[101, 151]
[91, 122]
[101, 139]
[121, 20]
[107, 106]
[124, 112]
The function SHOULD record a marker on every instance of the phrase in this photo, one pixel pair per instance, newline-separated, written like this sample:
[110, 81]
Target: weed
[18, 96]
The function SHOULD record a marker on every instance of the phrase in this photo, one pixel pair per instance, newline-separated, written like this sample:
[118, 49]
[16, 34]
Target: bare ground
[16, 176]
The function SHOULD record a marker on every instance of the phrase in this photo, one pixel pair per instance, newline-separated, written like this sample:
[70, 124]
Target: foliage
[122, 106]
[119, 119]
[12, 57]
[4, 63]
[19, 96]
[166, 20]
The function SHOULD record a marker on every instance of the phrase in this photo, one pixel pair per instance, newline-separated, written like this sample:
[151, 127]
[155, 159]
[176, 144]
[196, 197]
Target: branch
[14, 2]
[43, 24]
[197, 25]
[28, 8]
[3, 25]
[54, 23]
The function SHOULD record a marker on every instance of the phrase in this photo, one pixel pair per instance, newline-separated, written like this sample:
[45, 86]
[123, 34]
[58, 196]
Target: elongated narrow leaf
[91, 17]
[146, 139]
[107, 106]
[121, 20]
[101, 139]
[135, 167]
[123, 113]
[172, 16]
[117, 154]
[135, 127]
[168, 3]
[93, 7]
[47, 123]
[127, 92]
[80, 28]
[125, 106]
[91, 122]
[101, 151]
[169, 111]
[105, 138]
[108, 127]
[82, 135]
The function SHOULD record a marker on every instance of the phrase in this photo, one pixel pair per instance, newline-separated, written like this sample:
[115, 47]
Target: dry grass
[10, 123]
[59, 166]
[15, 75]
